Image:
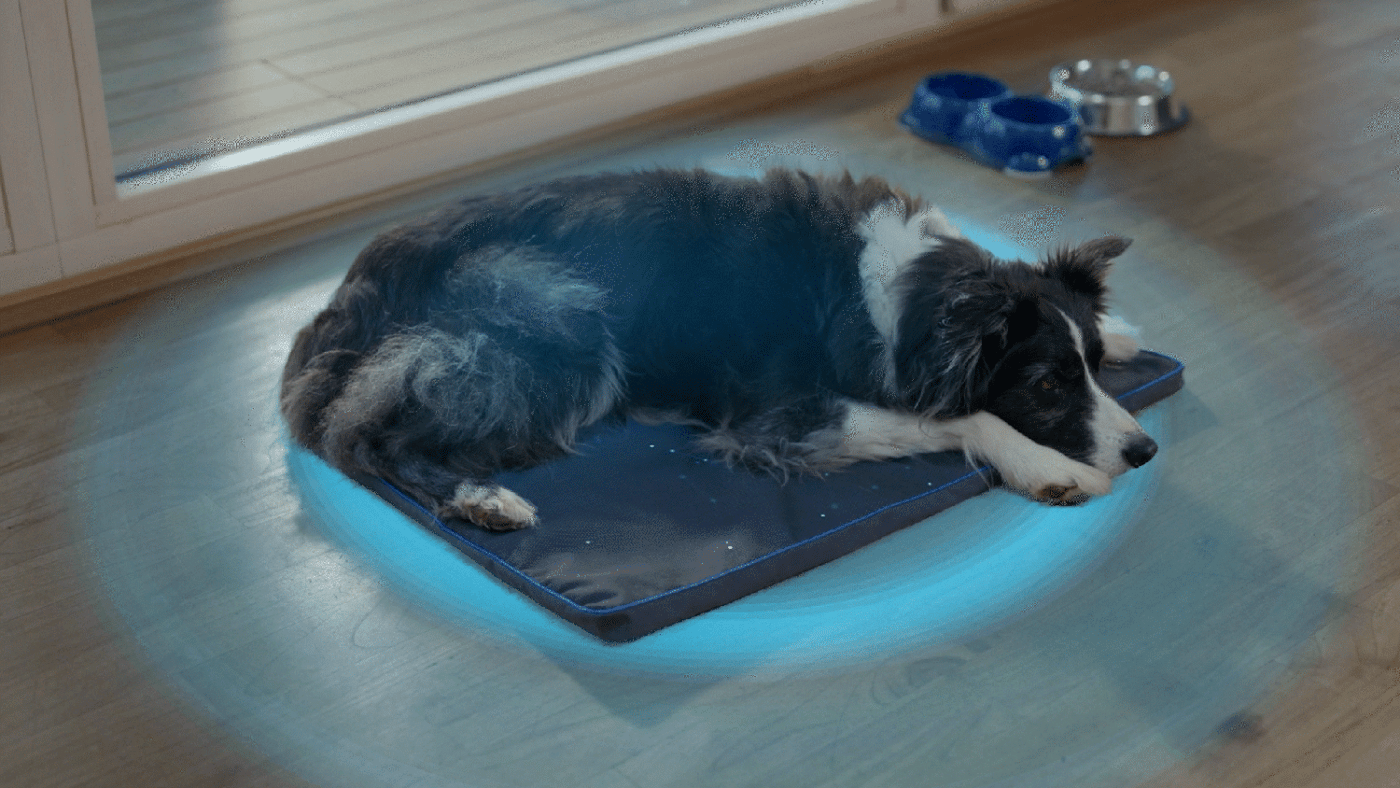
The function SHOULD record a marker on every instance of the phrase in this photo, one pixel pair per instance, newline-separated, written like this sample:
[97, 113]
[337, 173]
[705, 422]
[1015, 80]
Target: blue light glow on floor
[882, 600]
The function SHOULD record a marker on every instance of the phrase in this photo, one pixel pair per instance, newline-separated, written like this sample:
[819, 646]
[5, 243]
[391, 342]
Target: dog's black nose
[1139, 450]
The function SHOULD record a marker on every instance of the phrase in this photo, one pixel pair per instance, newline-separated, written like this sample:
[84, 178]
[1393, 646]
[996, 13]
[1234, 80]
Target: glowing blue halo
[886, 598]
[904, 592]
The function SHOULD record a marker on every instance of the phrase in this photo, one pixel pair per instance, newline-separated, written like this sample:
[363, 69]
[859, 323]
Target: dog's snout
[1139, 450]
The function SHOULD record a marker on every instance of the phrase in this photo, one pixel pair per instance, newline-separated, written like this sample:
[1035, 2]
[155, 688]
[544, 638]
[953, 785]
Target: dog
[798, 322]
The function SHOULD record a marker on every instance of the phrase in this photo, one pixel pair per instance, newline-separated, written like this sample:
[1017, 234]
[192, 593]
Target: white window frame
[29, 256]
[67, 216]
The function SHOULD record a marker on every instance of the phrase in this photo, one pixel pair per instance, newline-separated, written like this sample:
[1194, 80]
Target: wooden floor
[181, 610]
[189, 76]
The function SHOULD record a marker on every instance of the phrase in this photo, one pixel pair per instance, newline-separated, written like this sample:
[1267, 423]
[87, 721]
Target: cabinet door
[28, 254]
[7, 241]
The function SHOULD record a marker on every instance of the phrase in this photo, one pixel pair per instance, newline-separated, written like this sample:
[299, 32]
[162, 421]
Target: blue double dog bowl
[1020, 135]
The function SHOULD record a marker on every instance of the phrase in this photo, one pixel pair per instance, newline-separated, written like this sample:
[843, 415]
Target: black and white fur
[800, 323]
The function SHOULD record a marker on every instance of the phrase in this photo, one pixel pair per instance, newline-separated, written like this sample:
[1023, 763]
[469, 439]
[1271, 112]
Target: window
[190, 180]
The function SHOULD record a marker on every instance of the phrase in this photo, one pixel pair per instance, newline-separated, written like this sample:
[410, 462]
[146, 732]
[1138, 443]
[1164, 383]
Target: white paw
[1051, 477]
[1120, 339]
[1118, 348]
[490, 506]
[932, 222]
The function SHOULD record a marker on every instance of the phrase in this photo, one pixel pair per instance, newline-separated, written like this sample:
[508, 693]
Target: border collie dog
[799, 323]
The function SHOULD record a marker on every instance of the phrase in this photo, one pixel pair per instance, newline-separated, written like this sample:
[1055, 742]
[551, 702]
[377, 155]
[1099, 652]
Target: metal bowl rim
[1165, 100]
[1160, 77]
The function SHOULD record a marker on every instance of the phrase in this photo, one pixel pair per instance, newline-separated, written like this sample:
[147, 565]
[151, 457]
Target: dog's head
[1022, 342]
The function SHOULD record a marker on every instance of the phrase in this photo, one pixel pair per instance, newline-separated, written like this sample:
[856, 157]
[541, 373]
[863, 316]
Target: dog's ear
[1084, 268]
[949, 347]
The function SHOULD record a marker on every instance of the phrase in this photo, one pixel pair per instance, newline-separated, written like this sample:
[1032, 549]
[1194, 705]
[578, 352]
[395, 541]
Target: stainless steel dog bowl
[1118, 98]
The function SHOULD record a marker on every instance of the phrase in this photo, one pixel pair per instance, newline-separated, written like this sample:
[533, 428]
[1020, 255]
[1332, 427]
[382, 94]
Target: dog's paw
[1051, 477]
[1120, 339]
[1119, 348]
[1058, 495]
[1074, 486]
[490, 506]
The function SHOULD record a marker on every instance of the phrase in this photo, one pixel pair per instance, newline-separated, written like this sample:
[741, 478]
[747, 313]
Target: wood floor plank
[236, 115]
[510, 51]
[178, 76]
[230, 20]
[436, 70]
[198, 137]
[442, 37]
[172, 98]
[272, 32]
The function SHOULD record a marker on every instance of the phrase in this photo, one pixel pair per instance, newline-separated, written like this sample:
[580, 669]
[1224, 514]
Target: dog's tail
[391, 279]
[312, 379]
[437, 414]
[437, 409]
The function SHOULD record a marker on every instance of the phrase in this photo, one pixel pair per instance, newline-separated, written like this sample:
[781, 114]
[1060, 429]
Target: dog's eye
[1049, 383]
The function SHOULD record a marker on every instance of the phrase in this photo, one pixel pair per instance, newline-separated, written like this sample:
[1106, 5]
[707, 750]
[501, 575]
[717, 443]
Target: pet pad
[638, 532]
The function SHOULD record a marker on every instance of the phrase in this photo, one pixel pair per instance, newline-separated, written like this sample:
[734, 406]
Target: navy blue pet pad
[638, 531]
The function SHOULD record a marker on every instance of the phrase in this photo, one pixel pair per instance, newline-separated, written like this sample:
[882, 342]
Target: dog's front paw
[1120, 343]
[1074, 485]
[490, 506]
[1051, 477]
[1119, 348]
